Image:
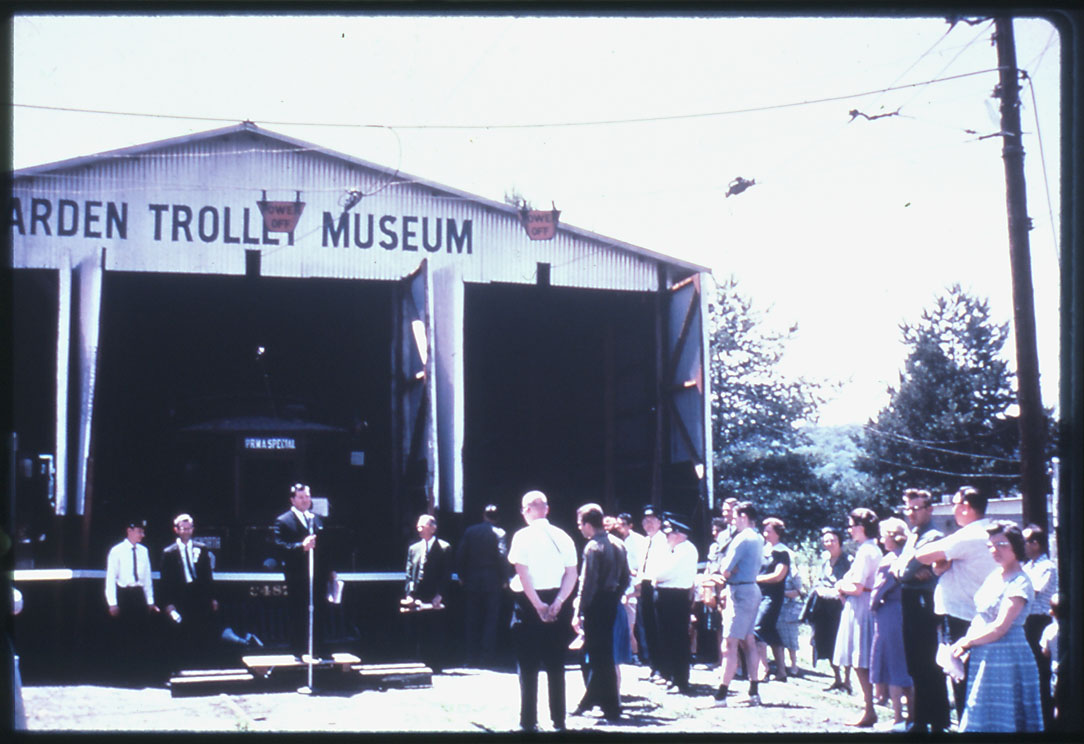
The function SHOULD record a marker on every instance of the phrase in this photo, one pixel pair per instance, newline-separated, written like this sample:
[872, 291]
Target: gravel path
[461, 701]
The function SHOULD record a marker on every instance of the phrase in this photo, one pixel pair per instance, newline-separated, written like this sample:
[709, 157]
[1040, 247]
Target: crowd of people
[909, 613]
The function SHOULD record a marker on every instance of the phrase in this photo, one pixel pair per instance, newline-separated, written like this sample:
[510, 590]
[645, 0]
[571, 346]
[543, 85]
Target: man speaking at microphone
[296, 534]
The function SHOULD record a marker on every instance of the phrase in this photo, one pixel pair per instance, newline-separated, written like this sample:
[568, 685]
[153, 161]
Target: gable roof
[251, 128]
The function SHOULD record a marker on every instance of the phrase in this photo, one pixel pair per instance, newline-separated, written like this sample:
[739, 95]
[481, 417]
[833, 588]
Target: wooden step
[192, 684]
[395, 675]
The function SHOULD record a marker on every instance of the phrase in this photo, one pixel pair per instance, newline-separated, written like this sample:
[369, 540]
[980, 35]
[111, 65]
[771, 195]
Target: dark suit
[482, 564]
[289, 532]
[194, 637]
[426, 577]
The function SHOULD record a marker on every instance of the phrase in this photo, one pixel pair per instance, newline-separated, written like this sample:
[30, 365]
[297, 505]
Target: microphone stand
[308, 690]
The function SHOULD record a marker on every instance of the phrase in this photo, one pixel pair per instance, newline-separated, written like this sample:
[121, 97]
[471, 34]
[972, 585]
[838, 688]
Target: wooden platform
[282, 672]
[265, 664]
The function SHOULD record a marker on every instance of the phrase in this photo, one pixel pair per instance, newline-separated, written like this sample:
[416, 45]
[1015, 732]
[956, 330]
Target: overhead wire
[528, 125]
[805, 151]
[859, 455]
[1001, 476]
[922, 445]
[1042, 160]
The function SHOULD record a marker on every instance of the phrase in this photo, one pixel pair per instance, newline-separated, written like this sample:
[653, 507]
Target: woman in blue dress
[1003, 680]
[888, 663]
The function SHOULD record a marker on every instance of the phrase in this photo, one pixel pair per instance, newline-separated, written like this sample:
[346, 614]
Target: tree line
[950, 420]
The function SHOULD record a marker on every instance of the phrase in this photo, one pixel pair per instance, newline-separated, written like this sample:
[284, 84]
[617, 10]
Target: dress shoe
[754, 700]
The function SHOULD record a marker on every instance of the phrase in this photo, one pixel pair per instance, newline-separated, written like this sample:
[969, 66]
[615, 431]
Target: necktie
[135, 560]
[188, 563]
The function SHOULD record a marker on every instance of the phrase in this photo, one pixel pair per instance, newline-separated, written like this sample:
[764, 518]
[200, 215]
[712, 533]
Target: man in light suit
[186, 591]
[428, 571]
[295, 534]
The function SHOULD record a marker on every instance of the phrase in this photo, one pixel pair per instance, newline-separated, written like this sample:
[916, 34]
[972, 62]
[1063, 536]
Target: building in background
[203, 321]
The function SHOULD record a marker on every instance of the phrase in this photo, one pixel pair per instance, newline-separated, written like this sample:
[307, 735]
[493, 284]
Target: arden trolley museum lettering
[182, 223]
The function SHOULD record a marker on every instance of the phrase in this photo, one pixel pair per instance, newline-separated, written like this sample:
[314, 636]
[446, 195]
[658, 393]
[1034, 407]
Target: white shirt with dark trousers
[674, 578]
[129, 588]
[545, 552]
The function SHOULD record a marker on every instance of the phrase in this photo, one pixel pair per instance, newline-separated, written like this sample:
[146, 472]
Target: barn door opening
[685, 392]
[414, 398]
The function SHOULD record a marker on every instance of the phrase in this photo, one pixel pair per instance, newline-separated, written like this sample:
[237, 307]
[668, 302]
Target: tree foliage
[950, 421]
[757, 446]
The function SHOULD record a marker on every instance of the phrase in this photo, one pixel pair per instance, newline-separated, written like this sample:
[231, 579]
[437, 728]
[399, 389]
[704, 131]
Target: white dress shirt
[118, 571]
[676, 568]
[656, 548]
[189, 556]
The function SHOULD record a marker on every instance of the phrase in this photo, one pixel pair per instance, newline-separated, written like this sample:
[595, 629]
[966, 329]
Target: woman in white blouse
[855, 636]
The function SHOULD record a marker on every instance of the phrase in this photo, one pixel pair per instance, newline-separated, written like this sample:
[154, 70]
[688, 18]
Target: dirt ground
[460, 701]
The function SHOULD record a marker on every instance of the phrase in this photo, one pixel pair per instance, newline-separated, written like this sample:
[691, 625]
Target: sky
[633, 128]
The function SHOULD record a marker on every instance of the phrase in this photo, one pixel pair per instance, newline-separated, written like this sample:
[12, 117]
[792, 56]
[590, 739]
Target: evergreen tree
[950, 421]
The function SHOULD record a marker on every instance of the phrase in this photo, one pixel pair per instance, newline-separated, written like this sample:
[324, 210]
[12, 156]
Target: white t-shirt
[971, 564]
[546, 551]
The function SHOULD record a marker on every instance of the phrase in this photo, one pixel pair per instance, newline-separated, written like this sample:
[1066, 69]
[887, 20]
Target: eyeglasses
[998, 544]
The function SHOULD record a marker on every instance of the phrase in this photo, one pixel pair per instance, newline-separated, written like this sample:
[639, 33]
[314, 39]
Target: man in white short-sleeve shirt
[963, 561]
[545, 560]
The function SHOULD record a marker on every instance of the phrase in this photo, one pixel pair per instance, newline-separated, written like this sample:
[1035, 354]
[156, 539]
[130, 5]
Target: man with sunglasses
[295, 534]
[929, 709]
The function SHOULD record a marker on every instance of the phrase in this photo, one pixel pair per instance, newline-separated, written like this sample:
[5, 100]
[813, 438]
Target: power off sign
[280, 216]
[539, 225]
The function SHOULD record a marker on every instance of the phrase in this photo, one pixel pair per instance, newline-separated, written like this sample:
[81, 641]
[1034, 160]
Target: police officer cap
[136, 522]
[673, 524]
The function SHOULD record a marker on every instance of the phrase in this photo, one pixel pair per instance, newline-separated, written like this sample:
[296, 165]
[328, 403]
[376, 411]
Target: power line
[605, 122]
[1042, 159]
[918, 443]
[935, 470]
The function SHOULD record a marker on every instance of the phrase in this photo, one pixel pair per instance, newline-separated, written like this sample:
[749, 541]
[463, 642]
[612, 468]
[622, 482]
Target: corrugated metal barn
[404, 347]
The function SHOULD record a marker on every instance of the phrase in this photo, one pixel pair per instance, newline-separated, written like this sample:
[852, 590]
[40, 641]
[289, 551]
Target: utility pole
[1033, 477]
